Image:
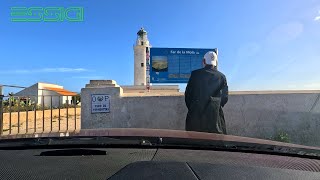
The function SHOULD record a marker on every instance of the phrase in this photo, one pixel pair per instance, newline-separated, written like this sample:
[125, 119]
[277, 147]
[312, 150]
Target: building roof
[61, 91]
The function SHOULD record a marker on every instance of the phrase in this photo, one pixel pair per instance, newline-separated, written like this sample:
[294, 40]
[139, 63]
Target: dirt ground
[25, 122]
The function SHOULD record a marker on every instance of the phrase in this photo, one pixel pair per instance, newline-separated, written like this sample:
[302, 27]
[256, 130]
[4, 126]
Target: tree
[11, 98]
[76, 99]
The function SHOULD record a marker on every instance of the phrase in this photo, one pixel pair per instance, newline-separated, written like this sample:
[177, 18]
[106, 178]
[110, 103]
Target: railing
[38, 114]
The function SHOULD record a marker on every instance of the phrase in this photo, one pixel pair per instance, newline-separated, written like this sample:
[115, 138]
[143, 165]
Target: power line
[14, 86]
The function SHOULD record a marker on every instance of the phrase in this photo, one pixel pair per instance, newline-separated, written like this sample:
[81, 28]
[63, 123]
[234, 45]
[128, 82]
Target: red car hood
[156, 133]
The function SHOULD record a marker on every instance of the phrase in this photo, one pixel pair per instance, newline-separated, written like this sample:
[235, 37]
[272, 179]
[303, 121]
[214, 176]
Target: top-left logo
[47, 14]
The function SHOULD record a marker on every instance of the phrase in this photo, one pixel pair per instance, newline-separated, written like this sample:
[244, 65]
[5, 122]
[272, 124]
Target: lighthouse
[141, 49]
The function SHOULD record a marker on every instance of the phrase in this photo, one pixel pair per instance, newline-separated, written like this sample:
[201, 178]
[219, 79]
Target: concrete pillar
[90, 120]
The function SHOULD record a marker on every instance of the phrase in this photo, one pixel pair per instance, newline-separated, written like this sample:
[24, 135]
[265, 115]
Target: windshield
[240, 68]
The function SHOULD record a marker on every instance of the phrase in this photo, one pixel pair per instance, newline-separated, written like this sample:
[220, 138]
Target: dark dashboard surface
[205, 171]
[116, 163]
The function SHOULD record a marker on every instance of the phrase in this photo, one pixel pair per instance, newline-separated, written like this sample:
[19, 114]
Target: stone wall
[266, 115]
[259, 115]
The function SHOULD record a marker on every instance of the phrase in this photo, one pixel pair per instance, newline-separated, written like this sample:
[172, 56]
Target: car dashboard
[151, 163]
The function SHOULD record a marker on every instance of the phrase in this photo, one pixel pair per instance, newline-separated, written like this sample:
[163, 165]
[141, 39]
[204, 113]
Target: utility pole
[1, 109]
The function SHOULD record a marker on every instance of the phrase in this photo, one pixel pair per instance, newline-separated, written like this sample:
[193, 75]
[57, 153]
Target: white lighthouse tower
[140, 55]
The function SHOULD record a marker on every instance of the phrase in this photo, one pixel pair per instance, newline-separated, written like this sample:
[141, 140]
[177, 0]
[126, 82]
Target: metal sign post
[148, 68]
[1, 110]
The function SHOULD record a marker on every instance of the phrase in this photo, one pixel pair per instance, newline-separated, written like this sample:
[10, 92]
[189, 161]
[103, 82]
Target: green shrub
[282, 137]
[21, 108]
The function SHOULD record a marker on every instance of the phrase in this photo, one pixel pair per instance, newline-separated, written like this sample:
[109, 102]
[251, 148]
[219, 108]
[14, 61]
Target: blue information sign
[174, 65]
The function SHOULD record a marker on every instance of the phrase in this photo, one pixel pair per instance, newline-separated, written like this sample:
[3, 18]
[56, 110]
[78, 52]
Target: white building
[40, 93]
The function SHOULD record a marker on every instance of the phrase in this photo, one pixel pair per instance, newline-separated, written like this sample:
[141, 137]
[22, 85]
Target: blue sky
[263, 45]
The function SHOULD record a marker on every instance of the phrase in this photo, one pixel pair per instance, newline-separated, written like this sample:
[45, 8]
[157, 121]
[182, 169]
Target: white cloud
[304, 86]
[285, 33]
[248, 50]
[317, 18]
[89, 77]
[62, 70]
[312, 86]
[44, 70]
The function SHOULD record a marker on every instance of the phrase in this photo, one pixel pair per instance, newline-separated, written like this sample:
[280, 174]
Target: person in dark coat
[205, 95]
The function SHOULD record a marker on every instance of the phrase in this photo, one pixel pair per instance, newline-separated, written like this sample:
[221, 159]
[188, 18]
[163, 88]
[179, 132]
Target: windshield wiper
[234, 146]
[157, 142]
[67, 142]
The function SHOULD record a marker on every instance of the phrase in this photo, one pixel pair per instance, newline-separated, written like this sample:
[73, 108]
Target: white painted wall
[36, 92]
[31, 92]
[47, 94]
[66, 98]
[47, 98]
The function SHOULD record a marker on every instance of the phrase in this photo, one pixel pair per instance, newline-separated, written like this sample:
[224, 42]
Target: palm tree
[11, 98]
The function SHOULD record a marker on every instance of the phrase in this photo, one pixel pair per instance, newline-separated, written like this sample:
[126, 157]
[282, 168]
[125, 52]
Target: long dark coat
[205, 95]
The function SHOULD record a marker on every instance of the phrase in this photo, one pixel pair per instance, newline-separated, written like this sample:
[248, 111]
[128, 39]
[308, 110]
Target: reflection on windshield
[246, 69]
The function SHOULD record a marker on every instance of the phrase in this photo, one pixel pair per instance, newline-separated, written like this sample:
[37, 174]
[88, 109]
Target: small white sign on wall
[100, 103]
